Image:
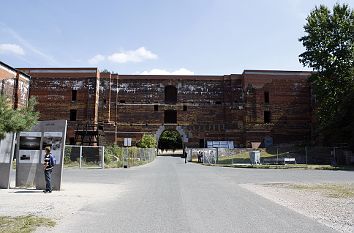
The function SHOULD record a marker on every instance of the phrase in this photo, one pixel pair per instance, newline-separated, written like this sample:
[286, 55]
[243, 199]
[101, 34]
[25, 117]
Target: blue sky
[203, 37]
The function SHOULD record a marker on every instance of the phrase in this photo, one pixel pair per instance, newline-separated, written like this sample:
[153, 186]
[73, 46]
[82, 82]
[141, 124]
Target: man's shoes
[46, 191]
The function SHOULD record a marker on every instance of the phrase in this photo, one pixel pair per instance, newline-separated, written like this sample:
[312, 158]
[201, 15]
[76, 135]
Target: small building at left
[15, 85]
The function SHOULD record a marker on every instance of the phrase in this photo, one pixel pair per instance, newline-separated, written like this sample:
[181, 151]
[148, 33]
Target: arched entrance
[178, 131]
[170, 143]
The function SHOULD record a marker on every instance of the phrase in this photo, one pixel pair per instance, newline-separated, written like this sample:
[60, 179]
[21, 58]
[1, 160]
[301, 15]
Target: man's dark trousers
[48, 177]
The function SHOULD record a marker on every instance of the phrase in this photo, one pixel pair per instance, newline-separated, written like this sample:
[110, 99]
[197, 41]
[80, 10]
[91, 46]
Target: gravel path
[337, 213]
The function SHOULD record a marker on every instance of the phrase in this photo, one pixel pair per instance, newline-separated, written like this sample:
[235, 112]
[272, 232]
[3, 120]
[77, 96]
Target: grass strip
[286, 166]
[328, 190]
[23, 224]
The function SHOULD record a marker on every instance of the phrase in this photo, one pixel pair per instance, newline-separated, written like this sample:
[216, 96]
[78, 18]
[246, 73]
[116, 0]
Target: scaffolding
[88, 134]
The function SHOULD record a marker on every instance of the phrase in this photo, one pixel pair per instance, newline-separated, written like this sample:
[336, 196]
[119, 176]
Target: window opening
[73, 95]
[73, 114]
[170, 116]
[266, 97]
[267, 117]
[170, 95]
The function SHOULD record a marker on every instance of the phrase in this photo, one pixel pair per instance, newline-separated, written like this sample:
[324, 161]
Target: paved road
[170, 196]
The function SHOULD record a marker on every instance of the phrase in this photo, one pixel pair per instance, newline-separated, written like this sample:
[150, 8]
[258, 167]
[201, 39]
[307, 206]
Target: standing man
[185, 155]
[48, 168]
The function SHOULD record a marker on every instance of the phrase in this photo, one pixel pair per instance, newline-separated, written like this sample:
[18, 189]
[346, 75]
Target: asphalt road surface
[168, 195]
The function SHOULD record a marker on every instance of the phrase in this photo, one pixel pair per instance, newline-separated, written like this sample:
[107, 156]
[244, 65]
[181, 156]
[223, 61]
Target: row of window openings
[156, 108]
[171, 115]
[123, 102]
[170, 97]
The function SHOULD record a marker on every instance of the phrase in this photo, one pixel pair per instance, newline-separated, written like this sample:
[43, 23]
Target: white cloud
[12, 49]
[181, 71]
[96, 59]
[137, 55]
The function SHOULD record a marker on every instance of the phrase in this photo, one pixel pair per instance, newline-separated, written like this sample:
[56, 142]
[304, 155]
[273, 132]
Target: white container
[255, 157]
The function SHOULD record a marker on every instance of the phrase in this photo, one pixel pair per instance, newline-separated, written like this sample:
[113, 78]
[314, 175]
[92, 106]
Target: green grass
[329, 190]
[286, 166]
[23, 224]
[245, 158]
[71, 164]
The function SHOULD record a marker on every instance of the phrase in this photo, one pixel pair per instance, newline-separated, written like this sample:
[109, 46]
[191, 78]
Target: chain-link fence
[273, 155]
[128, 156]
[111, 156]
[202, 155]
[84, 156]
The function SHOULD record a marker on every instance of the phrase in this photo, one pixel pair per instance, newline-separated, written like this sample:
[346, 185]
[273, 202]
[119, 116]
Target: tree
[15, 120]
[147, 141]
[329, 45]
[170, 139]
[105, 71]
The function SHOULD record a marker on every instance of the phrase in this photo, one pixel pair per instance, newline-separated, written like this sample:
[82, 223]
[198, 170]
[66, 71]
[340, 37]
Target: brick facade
[242, 108]
[15, 85]
[66, 94]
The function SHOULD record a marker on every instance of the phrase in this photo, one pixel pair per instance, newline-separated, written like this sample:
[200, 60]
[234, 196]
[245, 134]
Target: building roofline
[277, 72]
[62, 70]
[14, 69]
[96, 70]
[170, 75]
[58, 68]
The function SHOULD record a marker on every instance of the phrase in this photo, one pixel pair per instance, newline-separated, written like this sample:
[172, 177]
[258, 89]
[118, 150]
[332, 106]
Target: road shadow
[29, 191]
[170, 155]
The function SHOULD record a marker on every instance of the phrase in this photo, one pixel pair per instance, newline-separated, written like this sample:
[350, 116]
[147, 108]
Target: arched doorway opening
[170, 143]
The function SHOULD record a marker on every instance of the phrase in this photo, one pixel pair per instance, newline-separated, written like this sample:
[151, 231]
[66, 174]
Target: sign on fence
[220, 144]
[127, 142]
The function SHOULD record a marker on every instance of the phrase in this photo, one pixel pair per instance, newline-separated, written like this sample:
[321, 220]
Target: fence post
[80, 157]
[127, 155]
[277, 155]
[102, 157]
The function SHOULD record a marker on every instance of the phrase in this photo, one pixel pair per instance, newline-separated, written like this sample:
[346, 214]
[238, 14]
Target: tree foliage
[329, 45]
[170, 139]
[147, 141]
[15, 120]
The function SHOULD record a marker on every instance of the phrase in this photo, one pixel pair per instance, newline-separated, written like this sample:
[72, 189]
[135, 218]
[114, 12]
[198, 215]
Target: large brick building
[257, 105]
